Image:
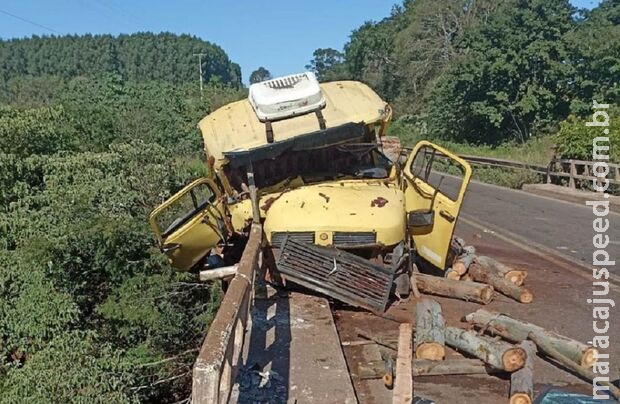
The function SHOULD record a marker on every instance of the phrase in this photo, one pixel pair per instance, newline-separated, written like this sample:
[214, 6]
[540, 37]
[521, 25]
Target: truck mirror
[420, 221]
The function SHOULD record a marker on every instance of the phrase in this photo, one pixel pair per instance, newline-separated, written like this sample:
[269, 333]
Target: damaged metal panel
[345, 239]
[339, 274]
[278, 237]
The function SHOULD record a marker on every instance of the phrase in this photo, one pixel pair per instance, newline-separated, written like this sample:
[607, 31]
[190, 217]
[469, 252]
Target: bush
[574, 139]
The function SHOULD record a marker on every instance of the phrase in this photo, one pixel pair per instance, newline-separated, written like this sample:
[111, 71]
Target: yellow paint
[197, 236]
[339, 206]
[434, 246]
[235, 126]
[324, 208]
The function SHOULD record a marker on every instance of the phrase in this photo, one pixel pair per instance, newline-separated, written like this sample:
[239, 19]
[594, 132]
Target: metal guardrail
[220, 355]
[573, 170]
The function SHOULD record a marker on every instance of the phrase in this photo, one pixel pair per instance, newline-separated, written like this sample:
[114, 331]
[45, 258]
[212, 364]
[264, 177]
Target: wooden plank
[403, 384]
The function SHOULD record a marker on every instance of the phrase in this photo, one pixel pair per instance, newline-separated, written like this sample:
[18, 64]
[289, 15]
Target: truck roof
[236, 128]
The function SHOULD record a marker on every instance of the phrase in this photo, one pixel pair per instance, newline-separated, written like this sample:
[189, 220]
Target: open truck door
[435, 181]
[189, 224]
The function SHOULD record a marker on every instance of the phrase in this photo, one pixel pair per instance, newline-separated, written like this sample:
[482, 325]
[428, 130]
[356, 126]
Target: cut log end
[514, 359]
[526, 296]
[589, 357]
[516, 277]
[520, 398]
[486, 295]
[452, 274]
[431, 351]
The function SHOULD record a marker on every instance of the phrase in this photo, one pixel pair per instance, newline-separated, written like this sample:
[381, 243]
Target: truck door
[434, 184]
[189, 224]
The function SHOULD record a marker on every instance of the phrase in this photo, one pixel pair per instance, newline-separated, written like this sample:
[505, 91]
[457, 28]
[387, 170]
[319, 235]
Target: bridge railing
[575, 171]
[220, 355]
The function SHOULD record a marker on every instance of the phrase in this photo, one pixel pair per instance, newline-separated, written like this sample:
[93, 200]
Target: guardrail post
[573, 173]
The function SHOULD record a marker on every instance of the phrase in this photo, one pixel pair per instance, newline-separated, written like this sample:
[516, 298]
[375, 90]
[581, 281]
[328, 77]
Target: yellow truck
[310, 162]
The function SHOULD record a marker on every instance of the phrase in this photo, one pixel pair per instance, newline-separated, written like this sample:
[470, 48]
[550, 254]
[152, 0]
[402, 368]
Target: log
[451, 367]
[516, 331]
[522, 381]
[463, 262]
[366, 342]
[468, 291]
[451, 274]
[403, 384]
[499, 283]
[496, 353]
[549, 349]
[513, 275]
[217, 273]
[429, 334]
[422, 367]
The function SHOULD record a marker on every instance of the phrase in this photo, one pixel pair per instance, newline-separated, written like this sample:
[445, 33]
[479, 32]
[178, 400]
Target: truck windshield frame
[304, 167]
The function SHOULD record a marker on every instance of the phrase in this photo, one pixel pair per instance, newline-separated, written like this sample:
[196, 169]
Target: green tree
[260, 74]
[595, 54]
[513, 80]
[324, 61]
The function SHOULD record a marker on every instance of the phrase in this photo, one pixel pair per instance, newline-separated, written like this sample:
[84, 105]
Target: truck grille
[346, 239]
[355, 281]
[277, 238]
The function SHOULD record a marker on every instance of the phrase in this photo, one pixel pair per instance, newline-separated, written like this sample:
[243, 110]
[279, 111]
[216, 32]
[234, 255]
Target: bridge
[305, 348]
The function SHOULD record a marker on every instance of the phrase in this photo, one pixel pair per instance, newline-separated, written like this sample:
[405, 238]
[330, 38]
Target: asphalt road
[564, 227]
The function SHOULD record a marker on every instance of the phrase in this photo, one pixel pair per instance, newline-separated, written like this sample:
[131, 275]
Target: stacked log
[513, 275]
[548, 348]
[522, 381]
[468, 291]
[496, 353]
[500, 283]
[430, 328]
[515, 330]
[464, 260]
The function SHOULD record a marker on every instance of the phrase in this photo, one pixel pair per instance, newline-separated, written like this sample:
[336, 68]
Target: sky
[277, 34]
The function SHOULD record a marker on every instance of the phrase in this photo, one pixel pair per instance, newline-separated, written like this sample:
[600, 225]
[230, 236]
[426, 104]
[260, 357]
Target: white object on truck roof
[286, 97]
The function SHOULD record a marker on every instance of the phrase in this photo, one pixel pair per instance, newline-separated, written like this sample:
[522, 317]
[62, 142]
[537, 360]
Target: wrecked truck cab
[309, 161]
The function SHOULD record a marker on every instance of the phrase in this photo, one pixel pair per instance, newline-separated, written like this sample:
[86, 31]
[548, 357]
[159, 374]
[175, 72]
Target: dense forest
[94, 133]
[488, 72]
[137, 57]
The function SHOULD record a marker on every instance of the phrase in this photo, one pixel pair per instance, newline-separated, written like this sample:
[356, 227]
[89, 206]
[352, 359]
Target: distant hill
[136, 57]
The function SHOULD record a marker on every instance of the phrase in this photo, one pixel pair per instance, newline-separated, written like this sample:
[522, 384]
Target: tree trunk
[522, 381]
[452, 274]
[550, 350]
[513, 275]
[217, 273]
[430, 328]
[468, 291]
[422, 367]
[463, 262]
[498, 354]
[450, 367]
[499, 283]
[515, 330]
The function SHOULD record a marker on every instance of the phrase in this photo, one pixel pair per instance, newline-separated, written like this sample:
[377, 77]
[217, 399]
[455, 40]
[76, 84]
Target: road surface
[564, 227]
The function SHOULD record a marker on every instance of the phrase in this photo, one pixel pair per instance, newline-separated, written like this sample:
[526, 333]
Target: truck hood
[343, 207]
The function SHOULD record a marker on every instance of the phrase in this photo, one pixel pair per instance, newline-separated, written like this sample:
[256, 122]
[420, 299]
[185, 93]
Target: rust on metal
[336, 273]
[378, 202]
